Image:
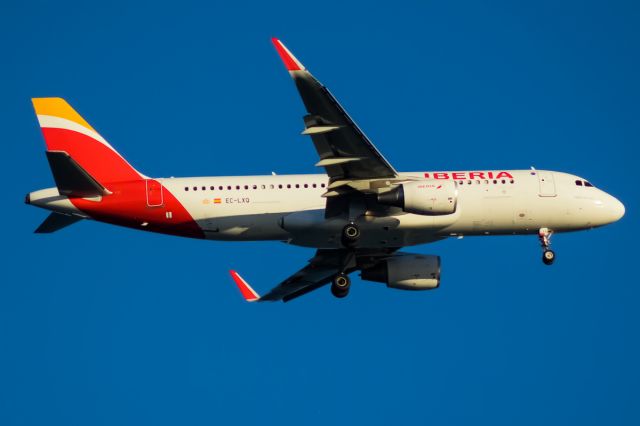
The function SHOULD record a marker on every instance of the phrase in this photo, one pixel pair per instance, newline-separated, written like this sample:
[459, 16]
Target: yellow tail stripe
[58, 107]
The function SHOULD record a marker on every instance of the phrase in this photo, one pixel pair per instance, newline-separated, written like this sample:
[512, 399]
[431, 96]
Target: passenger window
[469, 182]
[212, 187]
[314, 185]
[495, 181]
[204, 188]
[579, 182]
[263, 186]
[255, 186]
[478, 181]
[511, 181]
[486, 182]
[229, 187]
[289, 186]
[280, 186]
[195, 188]
[306, 186]
[186, 188]
[460, 182]
[238, 187]
[504, 181]
[323, 185]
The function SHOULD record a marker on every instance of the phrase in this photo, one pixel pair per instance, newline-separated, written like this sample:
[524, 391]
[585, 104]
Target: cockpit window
[579, 182]
[587, 184]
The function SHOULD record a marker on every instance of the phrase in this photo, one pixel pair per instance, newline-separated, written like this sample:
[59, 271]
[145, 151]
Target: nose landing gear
[548, 255]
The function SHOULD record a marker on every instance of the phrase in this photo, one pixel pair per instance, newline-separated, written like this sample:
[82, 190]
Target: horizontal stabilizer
[71, 179]
[55, 222]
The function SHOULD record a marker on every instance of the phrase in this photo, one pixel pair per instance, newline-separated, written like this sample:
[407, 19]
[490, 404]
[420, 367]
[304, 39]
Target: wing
[320, 271]
[345, 151]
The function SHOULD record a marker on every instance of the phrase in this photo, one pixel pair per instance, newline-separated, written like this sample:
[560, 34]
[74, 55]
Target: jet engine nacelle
[406, 271]
[426, 197]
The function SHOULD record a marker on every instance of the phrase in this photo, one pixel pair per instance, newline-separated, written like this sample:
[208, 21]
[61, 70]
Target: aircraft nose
[617, 209]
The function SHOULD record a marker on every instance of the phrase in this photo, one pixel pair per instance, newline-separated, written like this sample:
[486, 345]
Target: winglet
[290, 61]
[248, 293]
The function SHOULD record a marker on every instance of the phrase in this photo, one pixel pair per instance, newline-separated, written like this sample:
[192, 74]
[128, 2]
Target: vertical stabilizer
[65, 130]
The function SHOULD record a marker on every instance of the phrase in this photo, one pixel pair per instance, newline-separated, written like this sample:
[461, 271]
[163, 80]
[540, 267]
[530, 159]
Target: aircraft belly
[312, 229]
[248, 227]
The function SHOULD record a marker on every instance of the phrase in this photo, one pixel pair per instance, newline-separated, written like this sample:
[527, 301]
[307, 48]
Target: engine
[426, 197]
[406, 271]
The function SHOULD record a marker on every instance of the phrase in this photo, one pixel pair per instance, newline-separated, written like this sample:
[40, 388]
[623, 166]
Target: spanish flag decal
[217, 201]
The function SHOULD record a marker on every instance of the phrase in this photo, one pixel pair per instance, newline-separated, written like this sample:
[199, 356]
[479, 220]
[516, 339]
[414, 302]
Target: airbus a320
[358, 215]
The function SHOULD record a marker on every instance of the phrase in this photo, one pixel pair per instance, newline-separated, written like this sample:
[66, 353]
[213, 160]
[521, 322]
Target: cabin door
[154, 193]
[547, 184]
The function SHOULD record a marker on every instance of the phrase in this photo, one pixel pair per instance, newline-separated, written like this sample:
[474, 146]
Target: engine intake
[426, 197]
[406, 271]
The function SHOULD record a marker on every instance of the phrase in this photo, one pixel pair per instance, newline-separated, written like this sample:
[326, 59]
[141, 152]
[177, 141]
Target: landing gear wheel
[548, 256]
[340, 285]
[350, 234]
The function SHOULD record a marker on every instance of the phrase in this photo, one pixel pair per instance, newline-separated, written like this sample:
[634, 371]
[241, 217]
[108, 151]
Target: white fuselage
[256, 207]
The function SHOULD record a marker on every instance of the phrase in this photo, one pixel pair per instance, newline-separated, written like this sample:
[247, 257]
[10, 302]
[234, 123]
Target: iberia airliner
[358, 214]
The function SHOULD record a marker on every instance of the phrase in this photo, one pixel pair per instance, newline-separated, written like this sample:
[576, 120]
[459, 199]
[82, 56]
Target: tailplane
[55, 222]
[71, 179]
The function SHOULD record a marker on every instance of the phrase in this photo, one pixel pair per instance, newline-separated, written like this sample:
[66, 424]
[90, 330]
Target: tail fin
[65, 130]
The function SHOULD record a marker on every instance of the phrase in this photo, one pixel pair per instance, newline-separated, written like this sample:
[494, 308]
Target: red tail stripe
[100, 161]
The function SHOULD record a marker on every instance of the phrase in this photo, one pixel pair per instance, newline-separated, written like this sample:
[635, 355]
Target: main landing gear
[341, 282]
[350, 234]
[548, 255]
[340, 285]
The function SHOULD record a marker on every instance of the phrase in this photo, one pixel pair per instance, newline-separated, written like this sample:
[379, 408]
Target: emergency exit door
[154, 193]
[547, 184]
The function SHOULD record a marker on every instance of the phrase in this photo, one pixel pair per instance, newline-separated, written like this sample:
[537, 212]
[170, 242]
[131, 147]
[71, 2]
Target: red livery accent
[466, 175]
[289, 62]
[247, 292]
[128, 206]
[504, 175]
[99, 160]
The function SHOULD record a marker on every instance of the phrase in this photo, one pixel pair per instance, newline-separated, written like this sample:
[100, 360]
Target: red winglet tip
[290, 61]
[248, 293]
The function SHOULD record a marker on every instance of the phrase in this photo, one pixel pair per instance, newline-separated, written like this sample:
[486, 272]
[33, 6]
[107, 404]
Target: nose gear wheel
[548, 255]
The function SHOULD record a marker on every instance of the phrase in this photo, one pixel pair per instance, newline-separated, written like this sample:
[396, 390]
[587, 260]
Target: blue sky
[103, 325]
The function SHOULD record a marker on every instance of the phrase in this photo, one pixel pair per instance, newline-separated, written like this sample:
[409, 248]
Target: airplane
[358, 215]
